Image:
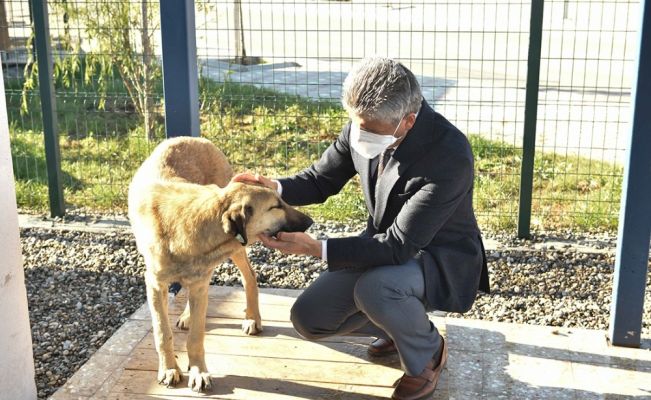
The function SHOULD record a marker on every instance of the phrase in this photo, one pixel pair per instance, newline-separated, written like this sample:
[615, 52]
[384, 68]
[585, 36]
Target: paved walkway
[487, 361]
[491, 109]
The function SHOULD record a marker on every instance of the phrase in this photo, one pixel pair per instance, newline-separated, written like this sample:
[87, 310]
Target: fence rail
[270, 80]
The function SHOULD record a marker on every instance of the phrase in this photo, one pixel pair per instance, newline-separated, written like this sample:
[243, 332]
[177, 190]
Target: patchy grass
[275, 134]
[568, 190]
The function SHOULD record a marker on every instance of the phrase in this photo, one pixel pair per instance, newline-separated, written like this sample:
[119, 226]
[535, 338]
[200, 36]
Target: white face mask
[370, 144]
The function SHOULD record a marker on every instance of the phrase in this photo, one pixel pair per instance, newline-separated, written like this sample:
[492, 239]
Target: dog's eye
[275, 207]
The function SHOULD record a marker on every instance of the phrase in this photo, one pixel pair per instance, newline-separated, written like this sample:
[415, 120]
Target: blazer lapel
[407, 153]
[383, 187]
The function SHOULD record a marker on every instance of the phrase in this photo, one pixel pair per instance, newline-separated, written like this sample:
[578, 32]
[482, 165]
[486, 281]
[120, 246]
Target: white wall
[16, 358]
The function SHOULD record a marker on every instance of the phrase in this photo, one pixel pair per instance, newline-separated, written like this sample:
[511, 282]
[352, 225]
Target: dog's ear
[234, 221]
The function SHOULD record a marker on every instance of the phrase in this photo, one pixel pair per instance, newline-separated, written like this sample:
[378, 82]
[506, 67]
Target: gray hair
[381, 89]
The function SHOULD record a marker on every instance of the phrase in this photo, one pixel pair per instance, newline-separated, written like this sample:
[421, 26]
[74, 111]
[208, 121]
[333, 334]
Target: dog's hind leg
[252, 323]
[184, 319]
[199, 379]
[169, 373]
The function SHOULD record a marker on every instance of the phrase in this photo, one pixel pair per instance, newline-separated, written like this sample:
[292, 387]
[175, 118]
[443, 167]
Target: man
[421, 249]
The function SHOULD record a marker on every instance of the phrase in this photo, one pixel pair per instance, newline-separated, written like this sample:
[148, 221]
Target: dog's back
[181, 159]
[188, 159]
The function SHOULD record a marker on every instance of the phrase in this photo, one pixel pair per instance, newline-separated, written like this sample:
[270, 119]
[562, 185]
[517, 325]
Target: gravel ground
[82, 286]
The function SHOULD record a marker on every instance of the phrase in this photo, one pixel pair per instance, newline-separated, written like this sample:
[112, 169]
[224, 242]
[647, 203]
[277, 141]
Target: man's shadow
[565, 364]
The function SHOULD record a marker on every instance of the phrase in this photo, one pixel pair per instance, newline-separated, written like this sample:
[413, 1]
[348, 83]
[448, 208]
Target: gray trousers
[385, 302]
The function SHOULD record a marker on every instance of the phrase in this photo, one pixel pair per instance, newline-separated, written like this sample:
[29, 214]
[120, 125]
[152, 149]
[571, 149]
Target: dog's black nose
[307, 222]
[300, 223]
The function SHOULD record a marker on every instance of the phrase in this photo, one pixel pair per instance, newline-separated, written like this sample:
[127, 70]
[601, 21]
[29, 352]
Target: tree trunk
[5, 41]
[240, 51]
[146, 74]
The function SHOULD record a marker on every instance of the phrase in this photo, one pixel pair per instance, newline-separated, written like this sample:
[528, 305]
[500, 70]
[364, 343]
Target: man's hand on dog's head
[248, 177]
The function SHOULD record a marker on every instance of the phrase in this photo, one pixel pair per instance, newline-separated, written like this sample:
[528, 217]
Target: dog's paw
[169, 377]
[199, 381]
[251, 326]
[183, 322]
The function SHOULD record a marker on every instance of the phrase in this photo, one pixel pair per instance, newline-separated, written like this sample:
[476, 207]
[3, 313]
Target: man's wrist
[279, 187]
[316, 249]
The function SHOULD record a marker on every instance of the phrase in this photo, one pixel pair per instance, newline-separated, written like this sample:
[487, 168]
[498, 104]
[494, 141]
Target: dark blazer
[421, 208]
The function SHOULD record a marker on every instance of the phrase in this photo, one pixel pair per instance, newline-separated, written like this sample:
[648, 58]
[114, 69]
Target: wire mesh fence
[108, 103]
[585, 89]
[270, 81]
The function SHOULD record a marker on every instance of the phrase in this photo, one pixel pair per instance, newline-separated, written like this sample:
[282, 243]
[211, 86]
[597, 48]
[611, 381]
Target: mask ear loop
[410, 94]
[396, 130]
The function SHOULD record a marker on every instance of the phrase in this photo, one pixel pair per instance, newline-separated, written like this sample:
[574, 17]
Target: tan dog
[187, 218]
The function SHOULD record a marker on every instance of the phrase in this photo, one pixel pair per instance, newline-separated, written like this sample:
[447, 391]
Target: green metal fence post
[530, 118]
[632, 258]
[180, 76]
[48, 106]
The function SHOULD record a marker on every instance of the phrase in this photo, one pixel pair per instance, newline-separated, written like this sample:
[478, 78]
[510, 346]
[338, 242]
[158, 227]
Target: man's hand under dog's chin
[293, 243]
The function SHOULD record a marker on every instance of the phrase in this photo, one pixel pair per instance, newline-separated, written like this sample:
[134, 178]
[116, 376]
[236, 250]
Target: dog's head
[254, 209]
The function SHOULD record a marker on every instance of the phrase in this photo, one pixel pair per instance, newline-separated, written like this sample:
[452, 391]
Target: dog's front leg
[198, 300]
[169, 373]
[252, 324]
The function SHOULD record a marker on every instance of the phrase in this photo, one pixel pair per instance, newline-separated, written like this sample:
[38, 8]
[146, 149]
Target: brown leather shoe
[382, 348]
[421, 386]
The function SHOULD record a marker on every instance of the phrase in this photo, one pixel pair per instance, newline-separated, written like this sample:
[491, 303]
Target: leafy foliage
[116, 40]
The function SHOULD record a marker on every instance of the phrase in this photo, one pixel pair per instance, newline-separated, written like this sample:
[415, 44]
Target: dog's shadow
[327, 385]
[229, 384]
